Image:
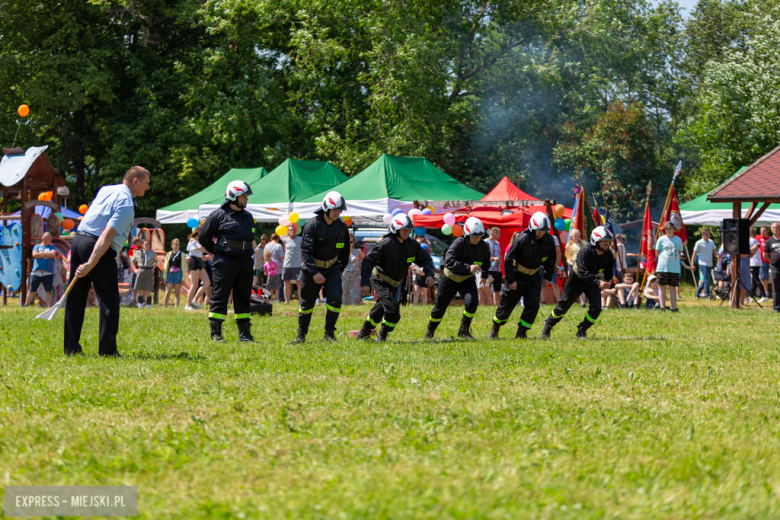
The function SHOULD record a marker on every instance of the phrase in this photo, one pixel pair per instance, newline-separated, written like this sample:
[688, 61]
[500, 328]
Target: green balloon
[568, 224]
[59, 216]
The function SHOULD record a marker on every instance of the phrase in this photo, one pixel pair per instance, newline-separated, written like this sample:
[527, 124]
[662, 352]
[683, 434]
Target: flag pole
[647, 203]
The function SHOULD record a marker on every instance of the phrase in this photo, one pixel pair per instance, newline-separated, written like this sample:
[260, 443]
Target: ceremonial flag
[596, 215]
[673, 215]
[618, 268]
[647, 251]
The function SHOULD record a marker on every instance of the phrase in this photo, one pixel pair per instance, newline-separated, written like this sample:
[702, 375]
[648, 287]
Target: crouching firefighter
[593, 260]
[532, 249]
[325, 253]
[467, 256]
[385, 268]
[227, 234]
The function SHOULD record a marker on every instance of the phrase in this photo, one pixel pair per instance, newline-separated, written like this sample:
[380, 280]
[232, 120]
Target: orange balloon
[23, 110]
[41, 196]
[83, 209]
[558, 211]
[67, 224]
[457, 230]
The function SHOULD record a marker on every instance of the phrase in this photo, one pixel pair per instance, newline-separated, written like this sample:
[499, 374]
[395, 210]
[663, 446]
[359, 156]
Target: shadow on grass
[183, 356]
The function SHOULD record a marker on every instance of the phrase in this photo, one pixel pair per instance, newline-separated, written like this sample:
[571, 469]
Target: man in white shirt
[703, 251]
[100, 237]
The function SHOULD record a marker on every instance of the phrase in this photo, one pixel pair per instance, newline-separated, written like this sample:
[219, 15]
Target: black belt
[84, 234]
[235, 244]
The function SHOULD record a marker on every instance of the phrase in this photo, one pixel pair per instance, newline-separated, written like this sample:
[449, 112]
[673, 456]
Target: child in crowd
[271, 269]
[628, 292]
[652, 293]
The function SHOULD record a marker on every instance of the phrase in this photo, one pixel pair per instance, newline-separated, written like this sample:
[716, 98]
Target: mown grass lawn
[658, 415]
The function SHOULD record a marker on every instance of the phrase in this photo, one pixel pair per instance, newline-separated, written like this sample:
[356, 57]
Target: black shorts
[194, 263]
[671, 279]
[498, 280]
[36, 280]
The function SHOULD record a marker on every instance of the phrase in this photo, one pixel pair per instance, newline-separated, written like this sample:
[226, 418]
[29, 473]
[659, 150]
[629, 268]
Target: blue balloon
[396, 211]
[426, 211]
[560, 224]
[419, 231]
[193, 222]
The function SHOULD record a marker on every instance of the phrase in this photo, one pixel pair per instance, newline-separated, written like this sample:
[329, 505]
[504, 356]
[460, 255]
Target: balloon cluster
[450, 226]
[285, 222]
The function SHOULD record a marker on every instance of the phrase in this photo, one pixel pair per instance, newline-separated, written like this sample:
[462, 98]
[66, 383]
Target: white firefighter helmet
[473, 227]
[399, 222]
[539, 222]
[236, 189]
[599, 234]
[333, 200]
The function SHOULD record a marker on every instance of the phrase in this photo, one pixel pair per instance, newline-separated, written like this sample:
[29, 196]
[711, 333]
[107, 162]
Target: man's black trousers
[311, 289]
[529, 288]
[387, 309]
[104, 278]
[755, 282]
[228, 276]
[447, 290]
[774, 276]
[571, 292]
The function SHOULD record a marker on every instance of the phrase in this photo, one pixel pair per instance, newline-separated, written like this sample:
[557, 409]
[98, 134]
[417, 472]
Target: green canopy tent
[182, 211]
[392, 183]
[701, 212]
[293, 180]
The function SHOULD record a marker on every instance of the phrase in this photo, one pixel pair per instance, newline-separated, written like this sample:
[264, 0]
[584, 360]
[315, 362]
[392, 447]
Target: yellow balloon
[281, 230]
[293, 217]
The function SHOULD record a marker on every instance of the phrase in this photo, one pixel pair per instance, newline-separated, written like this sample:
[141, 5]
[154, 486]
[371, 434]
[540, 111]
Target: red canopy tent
[505, 190]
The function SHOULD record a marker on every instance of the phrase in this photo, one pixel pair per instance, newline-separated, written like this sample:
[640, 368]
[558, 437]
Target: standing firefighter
[533, 248]
[227, 233]
[593, 261]
[385, 267]
[325, 253]
[466, 256]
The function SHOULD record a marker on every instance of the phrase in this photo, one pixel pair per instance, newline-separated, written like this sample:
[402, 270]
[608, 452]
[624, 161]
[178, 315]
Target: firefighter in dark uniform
[588, 276]
[325, 252]
[227, 234]
[385, 268]
[467, 256]
[532, 249]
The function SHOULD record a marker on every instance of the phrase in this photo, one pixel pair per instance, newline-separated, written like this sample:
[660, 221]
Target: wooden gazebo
[759, 186]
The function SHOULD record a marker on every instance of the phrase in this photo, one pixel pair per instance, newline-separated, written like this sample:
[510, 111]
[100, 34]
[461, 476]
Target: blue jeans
[705, 275]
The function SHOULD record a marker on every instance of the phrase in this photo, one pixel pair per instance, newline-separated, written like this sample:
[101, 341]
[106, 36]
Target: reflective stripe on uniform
[469, 314]
[391, 325]
[242, 316]
[589, 318]
[435, 320]
[372, 322]
[332, 308]
[304, 311]
[499, 321]
[524, 324]
[217, 316]
[554, 316]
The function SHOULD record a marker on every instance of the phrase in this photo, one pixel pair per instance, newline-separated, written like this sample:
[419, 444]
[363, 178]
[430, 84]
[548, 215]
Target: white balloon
[284, 221]
[387, 218]
[413, 212]
[564, 236]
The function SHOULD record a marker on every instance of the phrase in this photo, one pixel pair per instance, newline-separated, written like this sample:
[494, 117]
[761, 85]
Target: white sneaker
[148, 306]
[196, 306]
[189, 308]
[764, 299]
[140, 305]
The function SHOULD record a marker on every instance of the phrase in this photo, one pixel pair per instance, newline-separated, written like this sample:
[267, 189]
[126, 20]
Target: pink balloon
[284, 221]
[449, 219]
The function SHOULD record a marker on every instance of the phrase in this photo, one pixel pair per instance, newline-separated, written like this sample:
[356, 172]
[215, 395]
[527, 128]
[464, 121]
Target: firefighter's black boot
[329, 335]
[432, 326]
[522, 332]
[300, 338]
[216, 330]
[582, 332]
[465, 325]
[381, 336]
[548, 327]
[245, 331]
[494, 330]
[365, 331]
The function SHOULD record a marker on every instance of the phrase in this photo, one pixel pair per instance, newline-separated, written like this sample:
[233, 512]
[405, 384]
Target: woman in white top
[196, 270]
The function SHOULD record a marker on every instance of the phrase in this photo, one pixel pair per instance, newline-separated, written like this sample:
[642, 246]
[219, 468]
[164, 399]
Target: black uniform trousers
[774, 277]
[387, 308]
[311, 289]
[529, 288]
[229, 275]
[571, 292]
[104, 278]
[447, 290]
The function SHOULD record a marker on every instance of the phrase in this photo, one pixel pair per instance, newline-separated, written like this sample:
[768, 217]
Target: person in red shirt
[763, 273]
[137, 246]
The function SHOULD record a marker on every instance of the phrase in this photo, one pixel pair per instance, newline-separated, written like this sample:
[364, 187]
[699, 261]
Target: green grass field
[658, 415]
